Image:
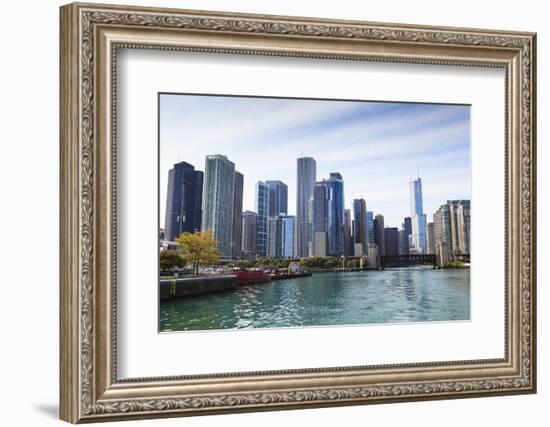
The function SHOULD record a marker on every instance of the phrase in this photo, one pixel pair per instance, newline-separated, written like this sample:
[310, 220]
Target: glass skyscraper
[360, 232]
[218, 200]
[183, 201]
[274, 236]
[249, 234]
[278, 198]
[319, 207]
[328, 216]
[238, 215]
[306, 178]
[262, 210]
[335, 187]
[418, 219]
[348, 240]
[407, 231]
[288, 234]
[370, 227]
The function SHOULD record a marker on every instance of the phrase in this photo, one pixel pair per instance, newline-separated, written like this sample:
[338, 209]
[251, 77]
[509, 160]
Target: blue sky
[377, 147]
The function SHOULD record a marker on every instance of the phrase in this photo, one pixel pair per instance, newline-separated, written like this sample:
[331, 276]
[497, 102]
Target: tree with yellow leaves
[199, 249]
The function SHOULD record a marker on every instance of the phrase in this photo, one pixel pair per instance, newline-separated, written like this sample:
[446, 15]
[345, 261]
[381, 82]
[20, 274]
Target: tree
[199, 249]
[170, 260]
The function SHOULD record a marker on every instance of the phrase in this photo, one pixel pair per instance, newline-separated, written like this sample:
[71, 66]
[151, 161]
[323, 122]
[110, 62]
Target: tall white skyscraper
[418, 219]
[306, 178]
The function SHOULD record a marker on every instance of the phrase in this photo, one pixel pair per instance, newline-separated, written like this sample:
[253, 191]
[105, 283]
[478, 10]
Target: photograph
[289, 212]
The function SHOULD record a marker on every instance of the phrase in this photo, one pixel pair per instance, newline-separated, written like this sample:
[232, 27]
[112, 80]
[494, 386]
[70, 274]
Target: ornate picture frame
[90, 37]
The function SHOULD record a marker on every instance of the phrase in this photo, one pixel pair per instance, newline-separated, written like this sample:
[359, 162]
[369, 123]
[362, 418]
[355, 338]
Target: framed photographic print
[265, 212]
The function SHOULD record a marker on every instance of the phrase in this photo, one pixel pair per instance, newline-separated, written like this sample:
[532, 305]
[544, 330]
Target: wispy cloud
[378, 147]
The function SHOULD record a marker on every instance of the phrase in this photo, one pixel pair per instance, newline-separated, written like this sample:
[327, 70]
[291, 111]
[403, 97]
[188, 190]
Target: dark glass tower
[335, 220]
[360, 223]
[183, 201]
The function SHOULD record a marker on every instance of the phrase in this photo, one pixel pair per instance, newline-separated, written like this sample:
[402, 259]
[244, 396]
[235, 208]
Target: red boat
[251, 277]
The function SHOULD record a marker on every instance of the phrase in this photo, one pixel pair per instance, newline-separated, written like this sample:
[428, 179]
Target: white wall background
[29, 170]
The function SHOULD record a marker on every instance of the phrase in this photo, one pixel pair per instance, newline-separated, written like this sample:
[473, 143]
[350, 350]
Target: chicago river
[399, 295]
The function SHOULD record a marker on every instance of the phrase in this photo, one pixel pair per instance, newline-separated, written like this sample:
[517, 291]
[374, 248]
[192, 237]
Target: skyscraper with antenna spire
[417, 243]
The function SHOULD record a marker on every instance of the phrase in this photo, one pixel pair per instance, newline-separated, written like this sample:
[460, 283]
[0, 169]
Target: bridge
[462, 257]
[407, 260]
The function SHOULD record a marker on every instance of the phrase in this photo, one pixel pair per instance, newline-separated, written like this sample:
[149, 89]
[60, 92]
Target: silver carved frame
[90, 36]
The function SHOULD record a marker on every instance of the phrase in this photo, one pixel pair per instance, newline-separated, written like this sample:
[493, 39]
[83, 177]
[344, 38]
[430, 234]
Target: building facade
[183, 201]
[218, 201]
[306, 178]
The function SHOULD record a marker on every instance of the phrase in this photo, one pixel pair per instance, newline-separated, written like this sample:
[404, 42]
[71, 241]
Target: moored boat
[251, 277]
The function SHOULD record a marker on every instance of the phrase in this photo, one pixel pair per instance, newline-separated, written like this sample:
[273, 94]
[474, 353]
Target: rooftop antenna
[417, 171]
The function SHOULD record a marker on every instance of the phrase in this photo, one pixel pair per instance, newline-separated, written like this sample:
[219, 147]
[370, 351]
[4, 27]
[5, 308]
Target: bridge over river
[407, 260]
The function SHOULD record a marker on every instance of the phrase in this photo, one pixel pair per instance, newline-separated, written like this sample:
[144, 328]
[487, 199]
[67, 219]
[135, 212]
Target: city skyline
[381, 174]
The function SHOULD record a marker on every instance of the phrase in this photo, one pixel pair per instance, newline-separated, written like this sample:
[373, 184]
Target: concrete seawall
[179, 288]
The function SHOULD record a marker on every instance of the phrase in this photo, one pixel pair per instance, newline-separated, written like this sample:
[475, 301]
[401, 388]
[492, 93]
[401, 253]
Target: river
[397, 295]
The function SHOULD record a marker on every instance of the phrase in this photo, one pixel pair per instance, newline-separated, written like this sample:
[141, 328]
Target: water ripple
[390, 296]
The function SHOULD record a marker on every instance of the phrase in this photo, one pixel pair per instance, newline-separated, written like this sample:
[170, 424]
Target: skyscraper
[288, 236]
[262, 210]
[335, 220]
[238, 215]
[442, 225]
[459, 211]
[370, 227]
[278, 197]
[431, 238]
[418, 219]
[360, 232]
[274, 236]
[463, 221]
[306, 178]
[452, 225]
[391, 241]
[379, 235]
[183, 201]
[218, 198]
[320, 213]
[348, 239]
[280, 242]
[249, 234]
[403, 247]
[407, 231]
